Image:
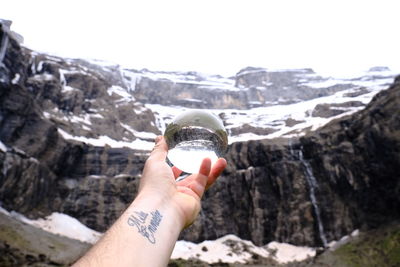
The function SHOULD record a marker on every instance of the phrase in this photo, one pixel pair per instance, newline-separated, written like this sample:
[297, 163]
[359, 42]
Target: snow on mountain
[279, 118]
[273, 119]
[60, 224]
[128, 108]
[105, 140]
[257, 103]
[199, 79]
[232, 249]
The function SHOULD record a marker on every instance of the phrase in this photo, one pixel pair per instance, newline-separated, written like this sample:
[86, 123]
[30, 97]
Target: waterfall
[3, 50]
[3, 46]
[312, 184]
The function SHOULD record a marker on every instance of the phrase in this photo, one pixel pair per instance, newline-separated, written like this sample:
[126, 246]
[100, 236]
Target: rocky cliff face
[315, 189]
[75, 135]
[251, 87]
[41, 101]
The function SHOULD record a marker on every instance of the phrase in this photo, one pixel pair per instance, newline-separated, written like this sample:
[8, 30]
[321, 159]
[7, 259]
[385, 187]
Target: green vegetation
[379, 247]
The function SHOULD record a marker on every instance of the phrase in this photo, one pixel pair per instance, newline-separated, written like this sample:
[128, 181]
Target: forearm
[146, 232]
[144, 235]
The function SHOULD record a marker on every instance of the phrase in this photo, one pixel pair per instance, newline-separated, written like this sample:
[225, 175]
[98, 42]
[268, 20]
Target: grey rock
[263, 195]
[331, 110]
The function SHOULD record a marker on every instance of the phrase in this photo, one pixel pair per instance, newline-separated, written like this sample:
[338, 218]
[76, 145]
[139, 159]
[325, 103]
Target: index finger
[160, 150]
[216, 171]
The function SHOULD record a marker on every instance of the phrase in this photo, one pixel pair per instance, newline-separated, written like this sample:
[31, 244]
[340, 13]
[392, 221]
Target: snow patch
[142, 135]
[335, 244]
[66, 89]
[203, 81]
[194, 100]
[4, 211]
[139, 109]
[325, 84]
[40, 66]
[3, 147]
[79, 120]
[285, 253]
[97, 115]
[60, 224]
[164, 114]
[105, 140]
[16, 78]
[86, 128]
[43, 77]
[374, 84]
[232, 249]
[118, 90]
[355, 233]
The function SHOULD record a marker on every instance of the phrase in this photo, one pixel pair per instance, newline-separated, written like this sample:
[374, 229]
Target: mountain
[311, 158]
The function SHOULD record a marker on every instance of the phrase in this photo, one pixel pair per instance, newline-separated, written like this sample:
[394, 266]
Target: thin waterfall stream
[312, 184]
[3, 47]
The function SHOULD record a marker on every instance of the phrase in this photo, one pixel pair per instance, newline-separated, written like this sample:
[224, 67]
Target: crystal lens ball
[194, 135]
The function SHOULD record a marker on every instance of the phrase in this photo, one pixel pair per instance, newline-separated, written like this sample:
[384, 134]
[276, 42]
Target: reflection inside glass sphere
[193, 136]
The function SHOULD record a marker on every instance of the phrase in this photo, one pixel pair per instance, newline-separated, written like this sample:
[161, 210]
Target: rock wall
[168, 92]
[304, 191]
[284, 86]
[41, 171]
[265, 195]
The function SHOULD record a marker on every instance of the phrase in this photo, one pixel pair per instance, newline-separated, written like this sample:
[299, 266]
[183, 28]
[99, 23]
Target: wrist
[151, 224]
[163, 203]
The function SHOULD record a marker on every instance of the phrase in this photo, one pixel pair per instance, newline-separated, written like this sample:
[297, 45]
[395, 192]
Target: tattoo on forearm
[146, 226]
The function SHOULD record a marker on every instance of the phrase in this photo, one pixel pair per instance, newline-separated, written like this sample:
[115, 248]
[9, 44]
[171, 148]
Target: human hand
[158, 181]
[152, 223]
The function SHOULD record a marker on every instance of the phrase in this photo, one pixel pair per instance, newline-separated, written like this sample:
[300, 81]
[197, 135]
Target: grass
[379, 247]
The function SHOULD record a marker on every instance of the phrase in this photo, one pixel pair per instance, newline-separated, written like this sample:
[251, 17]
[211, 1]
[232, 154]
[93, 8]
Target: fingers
[205, 167]
[199, 181]
[207, 175]
[160, 149]
[216, 171]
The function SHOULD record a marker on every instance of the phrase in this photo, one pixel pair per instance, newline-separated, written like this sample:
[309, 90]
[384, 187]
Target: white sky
[214, 36]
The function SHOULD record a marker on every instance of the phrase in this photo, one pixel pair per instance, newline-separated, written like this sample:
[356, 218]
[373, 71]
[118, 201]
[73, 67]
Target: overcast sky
[214, 36]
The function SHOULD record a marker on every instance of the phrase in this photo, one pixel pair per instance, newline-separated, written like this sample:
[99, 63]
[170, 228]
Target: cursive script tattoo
[146, 227]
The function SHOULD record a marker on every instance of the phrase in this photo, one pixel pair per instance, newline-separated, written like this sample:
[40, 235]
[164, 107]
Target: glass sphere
[194, 135]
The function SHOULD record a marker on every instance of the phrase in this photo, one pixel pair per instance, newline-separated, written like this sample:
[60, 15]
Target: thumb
[160, 149]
